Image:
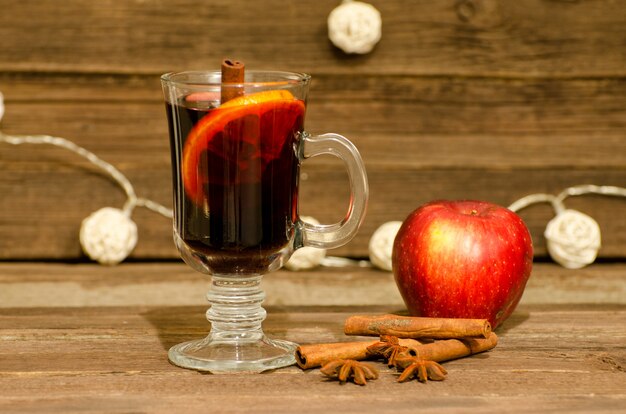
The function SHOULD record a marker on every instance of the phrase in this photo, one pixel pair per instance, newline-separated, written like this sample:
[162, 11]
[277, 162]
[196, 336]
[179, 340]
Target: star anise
[349, 369]
[421, 369]
[389, 348]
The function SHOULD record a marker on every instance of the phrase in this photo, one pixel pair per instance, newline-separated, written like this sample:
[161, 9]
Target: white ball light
[355, 27]
[1, 106]
[573, 239]
[381, 244]
[306, 257]
[108, 235]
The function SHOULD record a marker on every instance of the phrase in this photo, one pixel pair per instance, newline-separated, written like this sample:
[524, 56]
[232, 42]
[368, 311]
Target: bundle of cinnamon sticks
[425, 339]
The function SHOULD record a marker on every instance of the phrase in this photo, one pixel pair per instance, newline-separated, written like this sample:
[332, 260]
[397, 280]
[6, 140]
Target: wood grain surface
[468, 37]
[88, 338]
[176, 284]
[461, 99]
[549, 358]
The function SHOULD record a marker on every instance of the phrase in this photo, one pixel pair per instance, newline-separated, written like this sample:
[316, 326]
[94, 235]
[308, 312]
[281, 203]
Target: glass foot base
[227, 356]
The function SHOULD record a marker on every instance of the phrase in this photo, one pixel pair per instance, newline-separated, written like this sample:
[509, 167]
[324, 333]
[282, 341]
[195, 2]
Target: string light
[109, 235]
[306, 257]
[354, 27]
[573, 238]
[380, 247]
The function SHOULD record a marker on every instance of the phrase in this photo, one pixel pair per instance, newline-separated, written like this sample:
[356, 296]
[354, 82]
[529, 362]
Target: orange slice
[259, 98]
[234, 143]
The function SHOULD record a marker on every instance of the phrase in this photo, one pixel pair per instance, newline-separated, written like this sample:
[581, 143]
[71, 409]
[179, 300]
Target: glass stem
[236, 314]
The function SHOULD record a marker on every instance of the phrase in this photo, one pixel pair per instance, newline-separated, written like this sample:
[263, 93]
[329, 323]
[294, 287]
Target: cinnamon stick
[232, 74]
[416, 327]
[448, 349]
[316, 355]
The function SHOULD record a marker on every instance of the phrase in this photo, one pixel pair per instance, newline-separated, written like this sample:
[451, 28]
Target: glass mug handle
[334, 235]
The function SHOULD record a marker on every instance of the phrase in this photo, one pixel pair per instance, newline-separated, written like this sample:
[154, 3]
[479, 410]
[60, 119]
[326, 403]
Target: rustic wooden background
[478, 99]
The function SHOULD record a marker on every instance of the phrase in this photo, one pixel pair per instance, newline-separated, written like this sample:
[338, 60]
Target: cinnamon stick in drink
[416, 327]
[233, 72]
[316, 355]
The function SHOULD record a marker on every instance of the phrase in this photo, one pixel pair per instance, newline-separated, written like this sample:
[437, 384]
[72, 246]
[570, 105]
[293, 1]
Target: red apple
[462, 259]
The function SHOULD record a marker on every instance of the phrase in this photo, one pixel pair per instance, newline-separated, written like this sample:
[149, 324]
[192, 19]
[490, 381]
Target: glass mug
[235, 175]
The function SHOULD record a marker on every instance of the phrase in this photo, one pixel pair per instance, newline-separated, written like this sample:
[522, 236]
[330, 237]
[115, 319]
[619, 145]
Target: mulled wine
[237, 143]
[235, 173]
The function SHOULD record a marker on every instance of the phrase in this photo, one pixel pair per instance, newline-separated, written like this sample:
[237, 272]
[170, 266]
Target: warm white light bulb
[108, 235]
[1, 106]
[381, 244]
[573, 239]
[306, 257]
[355, 27]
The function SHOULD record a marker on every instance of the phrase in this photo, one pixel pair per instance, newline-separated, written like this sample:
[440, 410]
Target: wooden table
[83, 338]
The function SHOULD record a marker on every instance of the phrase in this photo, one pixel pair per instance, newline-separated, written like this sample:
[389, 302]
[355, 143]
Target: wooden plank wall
[478, 99]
